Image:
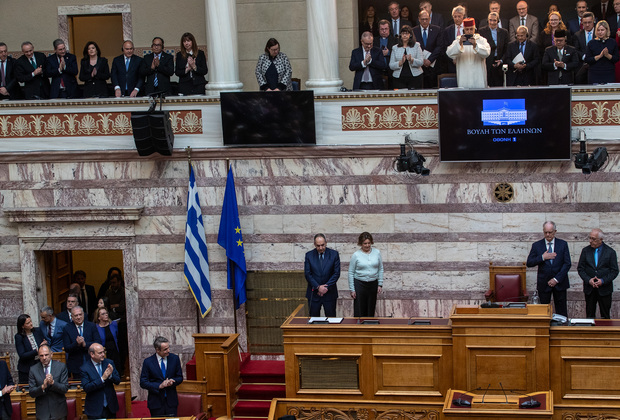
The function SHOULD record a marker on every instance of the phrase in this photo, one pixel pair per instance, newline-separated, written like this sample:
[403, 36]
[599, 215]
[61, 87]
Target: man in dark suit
[99, 376]
[86, 294]
[322, 271]
[580, 42]
[160, 376]
[574, 25]
[8, 84]
[452, 32]
[29, 70]
[429, 37]
[126, 77]
[614, 19]
[495, 7]
[48, 383]
[524, 19]
[395, 20]
[522, 73]
[435, 18]
[385, 42]
[62, 68]
[157, 67]
[560, 61]
[368, 64]
[603, 10]
[498, 41]
[552, 258]
[6, 387]
[72, 302]
[598, 267]
[52, 328]
[78, 336]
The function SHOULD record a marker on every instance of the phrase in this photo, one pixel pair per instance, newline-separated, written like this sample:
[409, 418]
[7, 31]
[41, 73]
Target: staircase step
[263, 371]
[261, 392]
[252, 408]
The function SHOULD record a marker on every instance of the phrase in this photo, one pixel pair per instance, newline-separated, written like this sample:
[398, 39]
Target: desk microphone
[485, 393]
[463, 402]
[531, 403]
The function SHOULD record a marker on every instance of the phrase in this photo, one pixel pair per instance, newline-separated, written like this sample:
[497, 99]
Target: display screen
[504, 124]
[268, 118]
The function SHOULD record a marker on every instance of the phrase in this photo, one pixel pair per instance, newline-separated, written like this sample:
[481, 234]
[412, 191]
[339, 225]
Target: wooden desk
[506, 407]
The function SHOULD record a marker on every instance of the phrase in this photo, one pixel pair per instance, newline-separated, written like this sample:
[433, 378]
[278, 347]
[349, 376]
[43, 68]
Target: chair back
[72, 409]
[189, 405]
[17, 410]
[507, 283]
[122, 408]
[447, 80]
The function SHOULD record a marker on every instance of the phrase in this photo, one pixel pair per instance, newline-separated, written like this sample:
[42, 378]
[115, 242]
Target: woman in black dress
[602, 55]
[108, 332]
[94, 72]
[27, 342]
[191, 67]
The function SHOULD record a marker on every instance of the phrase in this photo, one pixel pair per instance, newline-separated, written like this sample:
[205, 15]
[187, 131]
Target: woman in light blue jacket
[406, 61]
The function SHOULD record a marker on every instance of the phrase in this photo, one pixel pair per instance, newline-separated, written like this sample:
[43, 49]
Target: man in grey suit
[524, 19]
[49, 382]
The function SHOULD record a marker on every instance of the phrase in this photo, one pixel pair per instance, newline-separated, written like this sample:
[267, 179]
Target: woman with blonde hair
[602, 55]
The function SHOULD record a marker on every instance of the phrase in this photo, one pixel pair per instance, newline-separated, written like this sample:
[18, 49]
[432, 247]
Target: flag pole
[188, 150]
[231, 269]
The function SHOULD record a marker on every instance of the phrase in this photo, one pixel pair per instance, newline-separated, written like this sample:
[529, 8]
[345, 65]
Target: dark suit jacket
[122, 77]
[51, 402]
[95, 86]
[9, 78]
[55, 341]
[448, 36]
[598, 11]
[64, 316]
[533, 28]
[67, 76]
[5, 379]
[607, 269]
[76, 354]
[91, 296]
[485, 22]
[433, 40]
[579, 42]
[376, 66]
[391, 41]
[316, 274]
[437, 20]
[500, 47]
[193, 82]
[33, 85]
[151, 377]
[560, 76]
[25, 351]
[547, 270]
[532, 60]
[163, 72]
[613, 25]
[403, 22]
[96, 389]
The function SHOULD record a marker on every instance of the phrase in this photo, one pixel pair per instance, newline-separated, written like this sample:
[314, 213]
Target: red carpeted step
[263, 371]
[252, 408]
[261, 392]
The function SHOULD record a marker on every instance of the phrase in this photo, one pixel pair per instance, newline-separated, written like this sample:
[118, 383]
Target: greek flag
[196, 260]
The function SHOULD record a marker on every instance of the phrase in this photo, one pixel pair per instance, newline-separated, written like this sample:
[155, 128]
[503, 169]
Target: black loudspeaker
[152, 132]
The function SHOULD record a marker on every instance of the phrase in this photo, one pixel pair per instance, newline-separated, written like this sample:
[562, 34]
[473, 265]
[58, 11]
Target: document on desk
[334, 320]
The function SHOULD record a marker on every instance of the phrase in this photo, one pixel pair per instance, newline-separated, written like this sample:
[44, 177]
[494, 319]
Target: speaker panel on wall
[152, 132]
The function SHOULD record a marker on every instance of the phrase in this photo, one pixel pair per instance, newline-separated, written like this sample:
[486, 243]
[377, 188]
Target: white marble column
[322, 46]
[223, 54]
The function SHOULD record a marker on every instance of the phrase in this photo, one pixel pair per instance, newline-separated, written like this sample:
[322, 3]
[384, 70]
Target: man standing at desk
[98, 379]
[598, 267]
[48, 383]
[161, 374]
[552, 257]
[322, 271]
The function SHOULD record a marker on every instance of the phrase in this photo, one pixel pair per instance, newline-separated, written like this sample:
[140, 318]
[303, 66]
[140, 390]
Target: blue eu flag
[230, 238]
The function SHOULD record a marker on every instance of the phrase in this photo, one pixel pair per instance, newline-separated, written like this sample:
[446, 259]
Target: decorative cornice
[72, 214]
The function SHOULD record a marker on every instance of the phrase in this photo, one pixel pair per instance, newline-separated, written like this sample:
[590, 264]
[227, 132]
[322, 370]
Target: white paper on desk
[426, 54]
[317, 319]
[518, 59]
[334, 320]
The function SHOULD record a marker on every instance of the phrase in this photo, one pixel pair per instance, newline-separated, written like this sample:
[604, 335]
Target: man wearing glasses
[157, 67]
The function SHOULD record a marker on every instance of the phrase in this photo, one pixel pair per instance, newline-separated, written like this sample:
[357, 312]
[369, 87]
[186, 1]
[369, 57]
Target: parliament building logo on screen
[503, 112]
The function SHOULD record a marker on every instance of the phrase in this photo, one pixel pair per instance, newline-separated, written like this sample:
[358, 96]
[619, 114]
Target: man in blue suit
[62, 68]
[161, 374]
[429, 37]
[322, 270]
[126, 77]
[552, 257]
[52, 328]
[78, 336]
[368, 64]
[98, 378]
[6, 387]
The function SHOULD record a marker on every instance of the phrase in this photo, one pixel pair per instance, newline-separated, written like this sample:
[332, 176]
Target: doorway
[105, 29]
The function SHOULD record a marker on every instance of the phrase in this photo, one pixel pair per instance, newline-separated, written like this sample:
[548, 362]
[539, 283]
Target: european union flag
[196, 259]
[230, 238]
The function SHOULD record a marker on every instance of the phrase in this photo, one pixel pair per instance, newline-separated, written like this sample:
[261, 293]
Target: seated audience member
[191, 67]
[385, 42]
[560, 61]
[580, 42]
[435, 18]
[62, 68]
[29, 70]
[429, 37]
[406, 61]
[94, 72]
[396, 22]
[495, 7]
[368, 64]
[8, 84]
[126, 76]
[498, 41]
[27, 342]
[575, 25]
[602, 55]
[524, 19]
[273, 70]
[157, 67]
[52, 328]
[370, 22]
[469, 52]
[523, 71]
[452, 32]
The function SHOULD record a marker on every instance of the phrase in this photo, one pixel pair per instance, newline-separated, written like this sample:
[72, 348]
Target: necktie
[47, 370]
[80, 330]
[560, 55]
[2, 65]
[49, 330]
[34, 64]
[580, 24]
[458, 31]
[550, 250]
[163, 368]
[604, 9]
[522, 48]
[99, 369]
[100, 372]
[395, 27]
[424, 37]
[127, 64]
[155, 81]
[596, 251]
[588, 37]
[522, 21]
